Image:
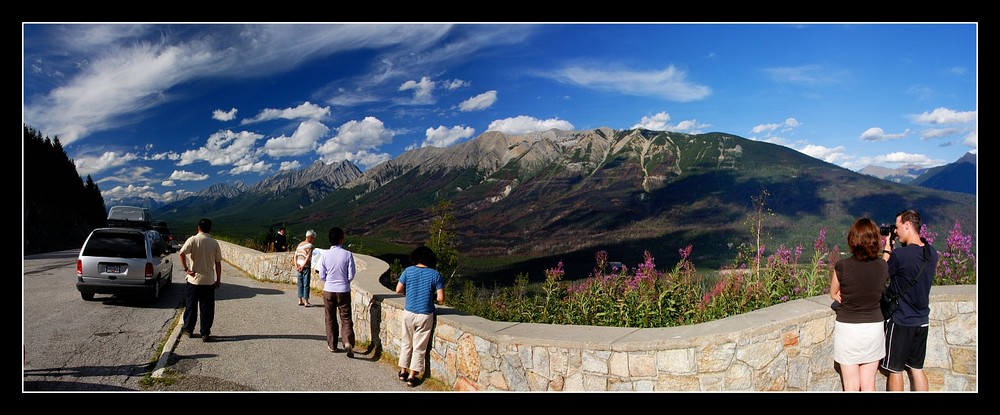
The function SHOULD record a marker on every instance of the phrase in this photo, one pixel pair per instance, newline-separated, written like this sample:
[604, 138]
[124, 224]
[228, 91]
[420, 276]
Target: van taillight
[149, 270]
[79, 267]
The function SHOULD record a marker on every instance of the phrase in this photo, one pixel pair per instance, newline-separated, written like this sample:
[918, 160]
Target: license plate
[113, 269]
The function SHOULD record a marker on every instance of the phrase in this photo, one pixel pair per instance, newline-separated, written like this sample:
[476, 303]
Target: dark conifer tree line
[60, 207]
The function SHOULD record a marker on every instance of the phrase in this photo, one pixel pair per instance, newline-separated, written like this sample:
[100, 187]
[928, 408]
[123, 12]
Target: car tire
[87, 296]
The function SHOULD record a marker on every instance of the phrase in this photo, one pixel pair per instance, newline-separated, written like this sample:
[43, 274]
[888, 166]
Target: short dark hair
[205, 224]
[910, 215]
[336, 236]
[424, 255]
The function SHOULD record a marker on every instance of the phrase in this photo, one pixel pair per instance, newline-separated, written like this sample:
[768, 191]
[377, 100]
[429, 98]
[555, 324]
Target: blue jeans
[303, 283]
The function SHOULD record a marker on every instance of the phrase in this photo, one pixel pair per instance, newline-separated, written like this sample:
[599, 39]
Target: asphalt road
[69, 344]
[264, 341]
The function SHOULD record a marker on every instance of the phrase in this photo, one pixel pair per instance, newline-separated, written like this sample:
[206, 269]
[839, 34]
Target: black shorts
[905, 346]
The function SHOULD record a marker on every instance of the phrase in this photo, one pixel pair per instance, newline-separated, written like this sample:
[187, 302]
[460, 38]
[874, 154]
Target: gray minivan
[123, 261]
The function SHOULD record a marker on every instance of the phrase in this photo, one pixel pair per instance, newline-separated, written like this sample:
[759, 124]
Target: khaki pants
[416, 335]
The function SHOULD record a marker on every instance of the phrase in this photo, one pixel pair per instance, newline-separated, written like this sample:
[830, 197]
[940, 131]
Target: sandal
[411, 382]
[402, 375]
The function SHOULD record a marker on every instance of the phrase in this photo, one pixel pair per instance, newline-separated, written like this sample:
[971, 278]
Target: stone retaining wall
[787, 347]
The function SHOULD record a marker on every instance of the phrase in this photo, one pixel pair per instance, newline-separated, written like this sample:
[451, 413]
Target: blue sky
[165, 110]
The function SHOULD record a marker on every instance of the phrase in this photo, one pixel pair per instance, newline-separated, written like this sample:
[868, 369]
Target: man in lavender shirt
[336, 270]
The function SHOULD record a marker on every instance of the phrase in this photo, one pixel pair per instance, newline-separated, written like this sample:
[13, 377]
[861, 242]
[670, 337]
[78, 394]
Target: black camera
[888, 230]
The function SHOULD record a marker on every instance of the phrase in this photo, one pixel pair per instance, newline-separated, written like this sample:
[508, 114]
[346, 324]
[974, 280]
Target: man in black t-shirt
[911, 274]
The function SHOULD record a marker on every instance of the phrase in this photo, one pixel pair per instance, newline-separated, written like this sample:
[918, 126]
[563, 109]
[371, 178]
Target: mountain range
[959, 176]
[543, 197]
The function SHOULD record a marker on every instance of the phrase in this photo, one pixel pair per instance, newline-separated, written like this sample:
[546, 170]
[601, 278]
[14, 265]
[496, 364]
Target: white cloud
[129, 69]
[289, 165]
[760, 128]
[187, 176]
[248, 166]
[957, 70]
[168, 183]
[444, 136]
[224, 148]
[805, 74]
[221, 115]
[972, 140]
[362, 158]
[659, 122]
[479, 102]
[939, 132]
[305, 110]
[900, 158]
[523, 124]
[422, 89]
[946, 116]
[669, 83]
[354, 136]
[86, 165]
[302, 141]
[769, 128]
[828, 154]
[876, 134]
[121, 192]
[455, 84]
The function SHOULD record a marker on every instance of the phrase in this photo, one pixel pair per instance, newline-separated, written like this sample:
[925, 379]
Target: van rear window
[118, 245]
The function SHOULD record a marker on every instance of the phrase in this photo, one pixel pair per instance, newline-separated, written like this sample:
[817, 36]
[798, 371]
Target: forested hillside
[60, 208]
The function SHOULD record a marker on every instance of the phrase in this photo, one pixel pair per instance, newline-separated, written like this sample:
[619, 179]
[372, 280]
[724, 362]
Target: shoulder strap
[913, 282]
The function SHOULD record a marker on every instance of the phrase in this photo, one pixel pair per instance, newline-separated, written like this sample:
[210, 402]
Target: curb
[161, 365]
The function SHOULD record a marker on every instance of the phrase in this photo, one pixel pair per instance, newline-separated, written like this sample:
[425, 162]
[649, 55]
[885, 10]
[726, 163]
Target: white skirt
[858, 343]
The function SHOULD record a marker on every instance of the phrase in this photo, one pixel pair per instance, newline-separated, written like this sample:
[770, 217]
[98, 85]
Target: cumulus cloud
[221, 115]
[876, 134]
[289, 165]
[249, 166]
[769, 128]
[833, 155]
[444, 136]
[670, 83]
[304, 140]
[88, 165]
[122, 192]
[523, 124]
[660, 122]
[224, 148]
[455, 84]
[422, 89]
[305, 110]
[900, 158]
[972, 140]
[479, 102]
[187, 176]
[353, 141]
[946, 116]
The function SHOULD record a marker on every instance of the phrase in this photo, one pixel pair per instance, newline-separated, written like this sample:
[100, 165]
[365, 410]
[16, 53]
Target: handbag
[889, 302]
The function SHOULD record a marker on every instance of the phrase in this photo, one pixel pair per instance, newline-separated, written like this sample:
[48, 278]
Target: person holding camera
[911, 274]
[856, 287]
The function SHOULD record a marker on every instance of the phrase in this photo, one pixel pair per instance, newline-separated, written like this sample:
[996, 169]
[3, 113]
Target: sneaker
[350, 353]
[186, 333]
[207, 338]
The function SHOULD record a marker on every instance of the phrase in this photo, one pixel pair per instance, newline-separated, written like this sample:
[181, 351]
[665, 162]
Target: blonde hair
[311, 233]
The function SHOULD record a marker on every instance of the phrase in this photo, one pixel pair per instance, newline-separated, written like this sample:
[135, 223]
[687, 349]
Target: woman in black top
[857, 283]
